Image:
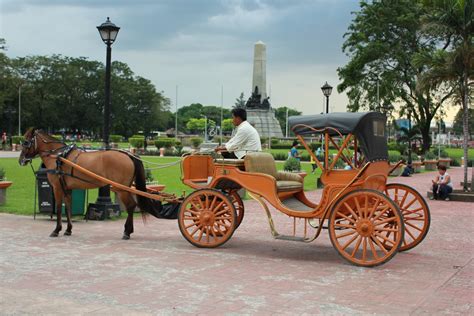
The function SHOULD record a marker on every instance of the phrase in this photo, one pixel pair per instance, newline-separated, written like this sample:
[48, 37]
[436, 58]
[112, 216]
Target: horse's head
[29, 147]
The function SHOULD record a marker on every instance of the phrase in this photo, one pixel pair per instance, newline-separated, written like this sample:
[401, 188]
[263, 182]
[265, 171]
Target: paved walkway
[9, 154]
[158, 272]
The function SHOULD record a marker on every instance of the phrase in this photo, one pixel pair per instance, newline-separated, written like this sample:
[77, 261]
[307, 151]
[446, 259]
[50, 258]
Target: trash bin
[46, 202]
[45, 192]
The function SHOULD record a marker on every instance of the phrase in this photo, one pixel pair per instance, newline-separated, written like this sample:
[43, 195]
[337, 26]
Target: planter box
[416, 166]
[445, 162]
[3, 191]
[431, 164]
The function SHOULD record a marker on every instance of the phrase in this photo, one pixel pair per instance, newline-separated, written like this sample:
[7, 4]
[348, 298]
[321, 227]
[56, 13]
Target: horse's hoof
[54, 234]
[125, 237]
[66, 233]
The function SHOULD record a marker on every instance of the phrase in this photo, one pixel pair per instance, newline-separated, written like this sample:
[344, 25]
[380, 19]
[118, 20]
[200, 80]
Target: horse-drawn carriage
[369, 221]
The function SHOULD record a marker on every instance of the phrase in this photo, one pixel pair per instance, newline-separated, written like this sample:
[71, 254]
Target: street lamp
[327, 89]
[108, 32]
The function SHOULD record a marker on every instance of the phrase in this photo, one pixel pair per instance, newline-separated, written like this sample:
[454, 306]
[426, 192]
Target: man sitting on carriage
[245, 138]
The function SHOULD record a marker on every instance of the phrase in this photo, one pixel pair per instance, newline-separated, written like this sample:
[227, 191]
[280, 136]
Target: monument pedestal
[265, 122]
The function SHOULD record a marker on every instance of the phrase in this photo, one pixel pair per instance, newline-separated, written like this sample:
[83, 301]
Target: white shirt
[246, 139]
[442, 178]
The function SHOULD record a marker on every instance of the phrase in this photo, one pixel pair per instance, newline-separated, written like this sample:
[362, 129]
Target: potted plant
[430, 161]
[416, 163]
[151, 185]
[114, 140]
[136, 142]
[292, 164]
[4, 184]
[16, 142]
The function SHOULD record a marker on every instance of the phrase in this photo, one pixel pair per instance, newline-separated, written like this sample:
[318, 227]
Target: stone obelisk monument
[259, 112]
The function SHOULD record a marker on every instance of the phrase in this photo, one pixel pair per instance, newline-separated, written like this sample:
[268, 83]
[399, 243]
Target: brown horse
[118, 166]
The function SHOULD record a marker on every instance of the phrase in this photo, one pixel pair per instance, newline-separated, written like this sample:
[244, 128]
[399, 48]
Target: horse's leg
[68, 200]
[130, 204]
[58, 196]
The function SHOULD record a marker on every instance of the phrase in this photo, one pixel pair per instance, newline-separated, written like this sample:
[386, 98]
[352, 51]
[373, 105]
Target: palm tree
[452, 22]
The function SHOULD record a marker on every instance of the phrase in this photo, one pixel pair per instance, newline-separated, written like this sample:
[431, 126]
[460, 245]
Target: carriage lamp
[327, 89]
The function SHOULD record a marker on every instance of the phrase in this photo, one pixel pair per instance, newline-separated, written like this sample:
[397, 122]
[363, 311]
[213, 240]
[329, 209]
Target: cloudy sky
[197, 45]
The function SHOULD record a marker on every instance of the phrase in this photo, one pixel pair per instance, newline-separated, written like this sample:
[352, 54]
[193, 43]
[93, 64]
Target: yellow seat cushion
[285, 186]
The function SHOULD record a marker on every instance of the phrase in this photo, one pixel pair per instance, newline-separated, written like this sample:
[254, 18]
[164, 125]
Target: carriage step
[291, 238]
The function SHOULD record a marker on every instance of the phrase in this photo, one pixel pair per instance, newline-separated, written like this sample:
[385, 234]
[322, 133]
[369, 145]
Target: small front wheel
[358, 224]
[207, 218]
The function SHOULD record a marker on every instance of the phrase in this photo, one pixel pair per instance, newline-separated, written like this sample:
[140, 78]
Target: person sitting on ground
[408, 170]
[245, 138]
[294, 151]
[442, 185]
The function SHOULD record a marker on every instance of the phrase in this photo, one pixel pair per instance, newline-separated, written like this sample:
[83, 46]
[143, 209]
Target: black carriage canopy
[368, 127]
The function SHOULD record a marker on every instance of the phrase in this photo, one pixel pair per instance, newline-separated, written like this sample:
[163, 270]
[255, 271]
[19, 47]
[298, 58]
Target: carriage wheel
[415, 212]
[238, 205]
[357, 227]
[207, 218]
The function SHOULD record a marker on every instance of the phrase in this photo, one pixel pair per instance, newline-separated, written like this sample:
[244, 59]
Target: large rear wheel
[415, 212]
[357, 227]
[207, 218]
[238, 205]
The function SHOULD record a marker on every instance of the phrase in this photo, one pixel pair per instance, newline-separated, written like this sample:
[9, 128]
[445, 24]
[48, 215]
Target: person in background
[245, 139]
[314, 166]
[4, 141]
[294, 151]
[442, 185]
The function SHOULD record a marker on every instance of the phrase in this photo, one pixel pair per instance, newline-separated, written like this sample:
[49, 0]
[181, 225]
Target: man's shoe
[447, 199]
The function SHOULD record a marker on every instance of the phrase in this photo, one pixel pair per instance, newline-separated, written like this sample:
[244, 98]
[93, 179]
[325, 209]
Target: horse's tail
[150, 206]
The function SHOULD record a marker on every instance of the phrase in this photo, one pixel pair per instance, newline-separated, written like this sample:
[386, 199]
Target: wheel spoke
[346, 234]
[195, 230]
[372, 247]
[382, 213]
[393, 230]
[415, 227]
[385, 238]
[349, 242]
[379, 244]
[403, 199]
[386, 220]
[356, 246]
[371, 213]
[346, 217]
[410, 233]
[364, 248]
[191, 217]
[358, 208]
[410, 204]
[344, 226]
[211, 207]
[201, 231]
[351, 211]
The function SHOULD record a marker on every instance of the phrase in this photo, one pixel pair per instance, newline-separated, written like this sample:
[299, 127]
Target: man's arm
[236, 142]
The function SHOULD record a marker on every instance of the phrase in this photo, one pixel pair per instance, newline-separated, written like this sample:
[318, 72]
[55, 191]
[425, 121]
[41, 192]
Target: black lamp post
[327, 89]
[104, 206]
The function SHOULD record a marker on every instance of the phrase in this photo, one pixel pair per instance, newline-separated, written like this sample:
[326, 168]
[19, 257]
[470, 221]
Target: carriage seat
[230, 162]
[261, 162]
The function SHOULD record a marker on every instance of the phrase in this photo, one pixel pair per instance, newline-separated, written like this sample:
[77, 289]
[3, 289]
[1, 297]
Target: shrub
[136, 142]
[137, 136]
[292, 164]
[442, 152]
[414, 157]
[115, 138]
[196, 141]
[455, 163]
[394, 157]
[17, 139]
[2, 174]
[263, 140]
[282, 145]
[170, 152]
[280, 156]
[430, 156]
[275, 141]
[148, 175]
[314, 146]
[165, 142]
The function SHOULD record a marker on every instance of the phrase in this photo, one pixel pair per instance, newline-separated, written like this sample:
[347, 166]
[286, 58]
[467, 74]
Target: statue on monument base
[255, 101]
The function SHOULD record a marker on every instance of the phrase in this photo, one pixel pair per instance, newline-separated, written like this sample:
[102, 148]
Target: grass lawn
[20, 196]
[457, 153]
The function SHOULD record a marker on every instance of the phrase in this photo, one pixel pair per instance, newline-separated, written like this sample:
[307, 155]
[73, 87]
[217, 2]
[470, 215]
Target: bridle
[33, 142]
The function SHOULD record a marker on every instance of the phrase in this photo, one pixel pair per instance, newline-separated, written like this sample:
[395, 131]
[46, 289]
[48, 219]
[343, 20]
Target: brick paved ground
[158, 272]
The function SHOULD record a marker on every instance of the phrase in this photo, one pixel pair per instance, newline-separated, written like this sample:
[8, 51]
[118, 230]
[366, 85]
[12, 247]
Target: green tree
[240, 101]
[459, 121]
[197, 125]
[227, 125]
[382, 42]
[280, 114]
[452, 21]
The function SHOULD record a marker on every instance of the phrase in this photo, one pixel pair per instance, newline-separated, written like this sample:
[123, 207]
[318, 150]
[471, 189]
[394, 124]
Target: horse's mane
[44, 135]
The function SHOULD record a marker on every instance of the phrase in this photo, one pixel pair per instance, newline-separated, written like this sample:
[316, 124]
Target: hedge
[17, 139]
[115, 138]
[136, 142]
[165, 142]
